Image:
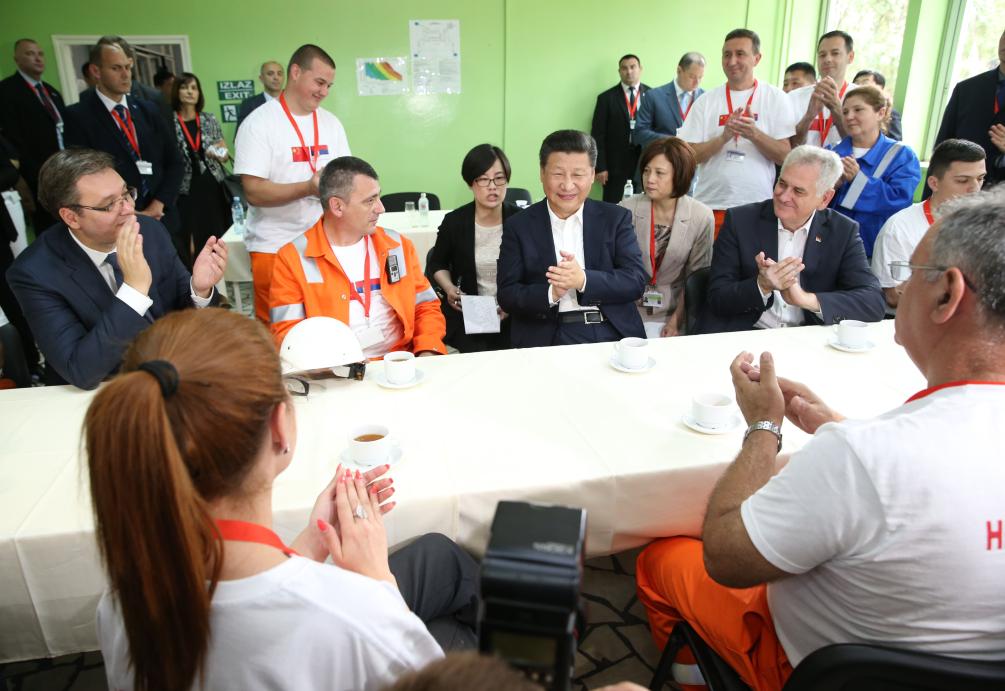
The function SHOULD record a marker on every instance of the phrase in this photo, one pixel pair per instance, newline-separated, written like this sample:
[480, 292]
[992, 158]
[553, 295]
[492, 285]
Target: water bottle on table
[423, 210]
[237, 214]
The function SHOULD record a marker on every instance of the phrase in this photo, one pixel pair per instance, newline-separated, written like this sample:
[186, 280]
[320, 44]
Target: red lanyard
[633, 107]
[825, 127]
[129, 130]
[353, 295]
[746, 108]
[243, 531]
[962, 382]
[312, 156]
[652, 243]
[683, 113]
[198, 132]
[927, 208]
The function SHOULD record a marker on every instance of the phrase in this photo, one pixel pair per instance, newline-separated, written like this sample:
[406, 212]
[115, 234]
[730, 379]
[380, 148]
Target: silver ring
[360, 512]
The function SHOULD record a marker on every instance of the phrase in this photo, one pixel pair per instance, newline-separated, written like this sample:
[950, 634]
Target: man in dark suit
[102, 275]
[976, 112]
[133, 131]
[31, 117]
[790, 260]
[271, 75]
[9, 234]
[614, 120]
[570, 269]
[664, 108]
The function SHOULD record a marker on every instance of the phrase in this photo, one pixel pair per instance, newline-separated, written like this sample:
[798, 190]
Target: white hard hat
[319, 345]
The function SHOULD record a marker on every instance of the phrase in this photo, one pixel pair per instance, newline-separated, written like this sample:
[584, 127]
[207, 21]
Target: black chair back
[515, 194]
[396, 200]
[695, 297]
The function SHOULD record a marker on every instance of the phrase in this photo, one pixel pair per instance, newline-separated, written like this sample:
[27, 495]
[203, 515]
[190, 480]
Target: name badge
[369, 336]
[652, 298]
[631, 124]
[735, 155]
[145, 167]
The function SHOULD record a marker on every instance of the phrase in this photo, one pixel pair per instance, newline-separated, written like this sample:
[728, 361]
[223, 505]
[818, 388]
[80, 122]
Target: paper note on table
[480, 314]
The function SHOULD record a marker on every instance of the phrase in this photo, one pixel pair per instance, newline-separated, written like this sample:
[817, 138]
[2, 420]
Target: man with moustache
[348, 268]
[818, 106]
[280, 151]
[271, 75]
[665, 108]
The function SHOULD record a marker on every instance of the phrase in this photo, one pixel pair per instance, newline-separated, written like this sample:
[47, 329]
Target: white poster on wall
[436, 55]
[381, 76]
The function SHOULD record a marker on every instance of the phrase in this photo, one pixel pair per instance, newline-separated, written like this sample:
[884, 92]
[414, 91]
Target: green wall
[528, 67]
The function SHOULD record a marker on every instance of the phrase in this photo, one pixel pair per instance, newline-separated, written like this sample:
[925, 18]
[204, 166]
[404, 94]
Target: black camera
[531, 613]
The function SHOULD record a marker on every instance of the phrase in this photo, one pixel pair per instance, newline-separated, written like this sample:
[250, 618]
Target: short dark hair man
[818, 107]
[570, 268]
[32, 117]
[798, 75]
[790, 260]
[271, 75]
[665, 108]
[894, 128]
[957, 169]
[103, 274]
[614, 122]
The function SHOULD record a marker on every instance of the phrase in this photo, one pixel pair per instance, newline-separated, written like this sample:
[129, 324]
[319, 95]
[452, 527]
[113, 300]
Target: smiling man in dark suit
[614, 121]
[790, 260]
[570, 268]
[133, 131]
[91, 283]
[31, 117]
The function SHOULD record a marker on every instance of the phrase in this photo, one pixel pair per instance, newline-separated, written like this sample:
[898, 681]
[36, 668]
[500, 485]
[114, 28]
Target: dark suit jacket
[836, 270]
[615, 277]
[659, 114]
[248, 105]
[89, 124]
[27, 125]
[79, 324]
[970, 114]
[615, 154]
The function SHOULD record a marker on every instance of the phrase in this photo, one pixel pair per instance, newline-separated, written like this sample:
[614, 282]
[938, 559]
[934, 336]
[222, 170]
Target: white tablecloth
[554, 425]
[422, 235]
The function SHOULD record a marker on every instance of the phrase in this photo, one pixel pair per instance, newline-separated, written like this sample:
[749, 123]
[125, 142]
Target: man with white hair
[884, 531]
[790, 260]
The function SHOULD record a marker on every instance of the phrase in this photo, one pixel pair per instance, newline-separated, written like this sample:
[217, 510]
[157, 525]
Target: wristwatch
[767, 426]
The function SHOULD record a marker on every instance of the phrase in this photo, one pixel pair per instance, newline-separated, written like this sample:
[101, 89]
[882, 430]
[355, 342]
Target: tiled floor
[616, 645]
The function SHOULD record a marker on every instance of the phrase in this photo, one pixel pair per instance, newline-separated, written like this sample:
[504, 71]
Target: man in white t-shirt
[887, 531]
[957, 168]
[818, 106]
[740, 131]
[280, 150]
[348, 268]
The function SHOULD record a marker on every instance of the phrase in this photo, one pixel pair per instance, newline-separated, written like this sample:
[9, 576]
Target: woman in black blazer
[467, 246]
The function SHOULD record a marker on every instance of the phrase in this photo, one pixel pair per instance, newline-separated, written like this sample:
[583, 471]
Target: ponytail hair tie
[165, 374]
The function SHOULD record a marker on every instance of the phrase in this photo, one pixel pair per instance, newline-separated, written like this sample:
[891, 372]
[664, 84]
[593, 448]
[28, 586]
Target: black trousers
[573, 334]
[439, 582]
[11, 307]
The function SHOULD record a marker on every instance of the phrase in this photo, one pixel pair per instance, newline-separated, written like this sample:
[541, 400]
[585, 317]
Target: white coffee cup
[399, 367]
[632, 353]
[852, 333]
[711, 410]
[369, 444]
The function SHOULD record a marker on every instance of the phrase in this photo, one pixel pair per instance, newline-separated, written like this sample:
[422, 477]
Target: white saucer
[382, 380]
[613, 362]
[733, 423]
[837, 345]
[346, 460]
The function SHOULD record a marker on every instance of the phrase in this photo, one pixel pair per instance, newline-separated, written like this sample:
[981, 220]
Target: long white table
[554, 425]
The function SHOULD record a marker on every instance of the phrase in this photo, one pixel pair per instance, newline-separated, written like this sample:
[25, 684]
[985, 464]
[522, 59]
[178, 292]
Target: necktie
[685, 98]
[631, 97]
[120, 110]
[46, 103]
[113, 261]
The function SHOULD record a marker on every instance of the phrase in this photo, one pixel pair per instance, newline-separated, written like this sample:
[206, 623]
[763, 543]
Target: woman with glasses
[183, 451]
[880, 174]
[674, 231]
[202, 199]
[463, 261]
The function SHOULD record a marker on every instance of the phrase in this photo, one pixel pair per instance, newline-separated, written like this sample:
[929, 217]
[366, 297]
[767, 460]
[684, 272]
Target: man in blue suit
[570, 268]
[93, 281]
[664, 109]
[790, 260]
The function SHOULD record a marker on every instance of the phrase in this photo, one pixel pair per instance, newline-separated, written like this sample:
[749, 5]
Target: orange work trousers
[261, 275]
[735, 622]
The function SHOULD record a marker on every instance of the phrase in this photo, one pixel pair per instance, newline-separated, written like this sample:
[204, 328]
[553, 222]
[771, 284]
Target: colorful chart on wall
[381, 76]
[436, 55]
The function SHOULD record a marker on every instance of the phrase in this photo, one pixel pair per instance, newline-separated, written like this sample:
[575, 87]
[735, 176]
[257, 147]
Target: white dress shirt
[136, 300]
[568, 236]
[109, 103]
[790, 244]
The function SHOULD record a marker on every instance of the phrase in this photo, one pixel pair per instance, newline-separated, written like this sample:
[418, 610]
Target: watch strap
[767, 426]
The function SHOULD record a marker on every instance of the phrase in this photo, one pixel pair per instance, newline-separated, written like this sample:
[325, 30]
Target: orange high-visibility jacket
[307, 281]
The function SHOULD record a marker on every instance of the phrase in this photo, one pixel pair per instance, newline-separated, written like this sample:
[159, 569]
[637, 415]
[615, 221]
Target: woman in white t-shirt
[183, 450]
